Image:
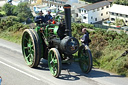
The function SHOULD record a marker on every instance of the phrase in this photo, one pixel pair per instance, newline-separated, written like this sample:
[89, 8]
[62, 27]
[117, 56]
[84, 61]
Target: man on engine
[48, 16]
[40, 18]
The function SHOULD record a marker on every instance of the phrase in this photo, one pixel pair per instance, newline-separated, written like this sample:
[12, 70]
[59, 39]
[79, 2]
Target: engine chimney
[67, 10]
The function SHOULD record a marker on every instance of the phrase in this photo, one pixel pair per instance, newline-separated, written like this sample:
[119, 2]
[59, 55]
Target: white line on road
[20, 70]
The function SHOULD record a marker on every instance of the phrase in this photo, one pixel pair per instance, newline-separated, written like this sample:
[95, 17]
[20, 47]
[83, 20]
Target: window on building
[95, 19]
[98, 9]
[120, 14]
[116, 14]
[101, 14]
[93, 10]
[102, 8]
[85, 17]
[112, 13]
[112, 19]
[126, 15]
[91, 17]
[107, 6]
[79, 11]
[77, 15]
[84, 11]
[126, 21]
[110, 5]
[106, 12]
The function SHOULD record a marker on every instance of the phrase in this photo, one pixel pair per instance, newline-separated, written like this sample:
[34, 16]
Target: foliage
[119, 22]
[22, 11]
[121, 2]
[11, 36]
[8, 9]
[11, 24]
[2, 13]
[77, 27]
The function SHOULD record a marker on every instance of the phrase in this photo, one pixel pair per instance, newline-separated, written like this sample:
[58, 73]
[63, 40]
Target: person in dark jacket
[40, 18]
[85, 38]
[48, 16]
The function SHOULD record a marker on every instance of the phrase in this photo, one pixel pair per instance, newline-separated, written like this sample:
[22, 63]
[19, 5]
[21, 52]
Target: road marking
[20, 71]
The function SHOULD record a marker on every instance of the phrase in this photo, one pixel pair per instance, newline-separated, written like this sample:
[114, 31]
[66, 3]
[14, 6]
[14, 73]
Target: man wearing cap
[48, 16]
[85, 38]
[40, 18]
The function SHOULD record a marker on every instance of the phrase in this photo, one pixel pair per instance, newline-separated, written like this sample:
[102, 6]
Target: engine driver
[40, 18]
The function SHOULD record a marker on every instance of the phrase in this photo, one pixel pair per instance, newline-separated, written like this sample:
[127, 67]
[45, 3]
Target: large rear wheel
[30, 48]
[54, 62]
[85, 60]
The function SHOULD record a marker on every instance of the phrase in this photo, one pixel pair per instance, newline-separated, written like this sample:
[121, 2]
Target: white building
[93, 13]
[58, 3]
[119, 12]
[16, 2]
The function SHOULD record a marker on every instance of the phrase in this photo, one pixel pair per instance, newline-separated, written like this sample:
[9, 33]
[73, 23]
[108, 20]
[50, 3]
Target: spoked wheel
[30, 48]
[54, 62]
[85, 60]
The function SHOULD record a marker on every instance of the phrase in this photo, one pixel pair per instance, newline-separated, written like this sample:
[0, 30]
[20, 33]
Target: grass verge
[11, 36]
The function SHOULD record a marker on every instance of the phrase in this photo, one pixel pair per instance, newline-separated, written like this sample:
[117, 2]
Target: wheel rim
[84, 60]
[27, 47]
[53, 63]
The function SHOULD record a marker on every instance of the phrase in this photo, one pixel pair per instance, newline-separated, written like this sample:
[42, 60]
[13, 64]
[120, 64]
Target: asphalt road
[14, 71]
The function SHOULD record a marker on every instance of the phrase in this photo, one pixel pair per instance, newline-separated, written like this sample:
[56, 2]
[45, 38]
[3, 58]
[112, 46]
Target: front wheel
[30, 48]
[85, 60]
[54, 62]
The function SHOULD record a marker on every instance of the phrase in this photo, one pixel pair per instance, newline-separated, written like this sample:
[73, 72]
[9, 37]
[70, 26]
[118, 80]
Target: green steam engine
[55, 43]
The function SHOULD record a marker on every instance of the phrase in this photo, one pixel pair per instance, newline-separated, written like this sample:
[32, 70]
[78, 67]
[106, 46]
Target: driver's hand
[81, 40]
[40, 19]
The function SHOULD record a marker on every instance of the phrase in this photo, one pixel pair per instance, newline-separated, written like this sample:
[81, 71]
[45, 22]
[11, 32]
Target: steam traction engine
[55, 43]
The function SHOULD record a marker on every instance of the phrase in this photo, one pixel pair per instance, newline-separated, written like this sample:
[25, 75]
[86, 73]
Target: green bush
[11, 24]
[8, 9]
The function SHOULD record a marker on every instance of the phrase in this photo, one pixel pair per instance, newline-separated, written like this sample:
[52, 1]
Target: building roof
[96, 5]
[111, 0]
[119, 9]
[53, 3]
[62, 0]
[77, 5]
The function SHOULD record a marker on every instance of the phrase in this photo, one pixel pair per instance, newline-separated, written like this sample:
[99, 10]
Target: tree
[8, 9]
[23, 11]
[119, 22]
[121, 2]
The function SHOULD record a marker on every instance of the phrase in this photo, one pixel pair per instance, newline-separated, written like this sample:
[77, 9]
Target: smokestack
[67, 10]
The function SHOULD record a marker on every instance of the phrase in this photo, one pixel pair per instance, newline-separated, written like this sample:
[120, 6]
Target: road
[14, 71]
